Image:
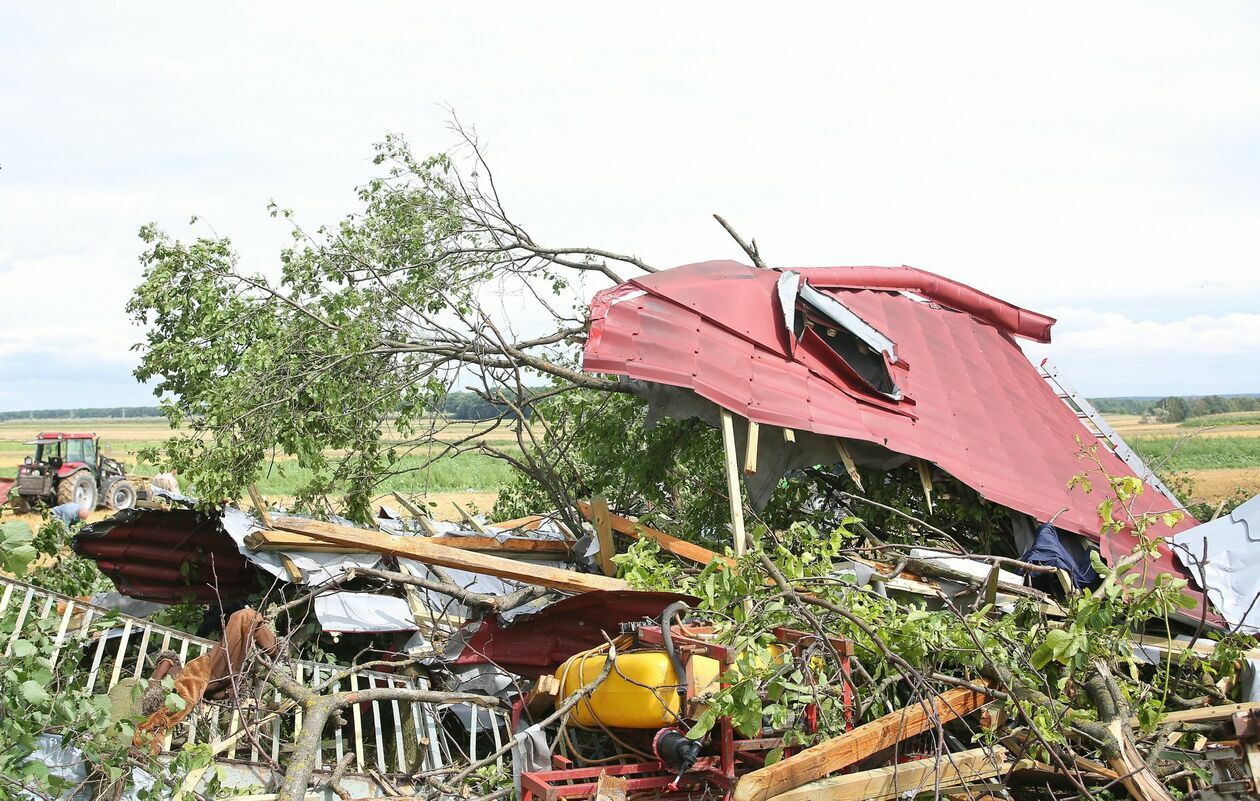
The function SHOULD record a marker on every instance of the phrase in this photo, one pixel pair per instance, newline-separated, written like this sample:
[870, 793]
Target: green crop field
[124, 439]
[1226, 419]
[1219, 460]
[1199, 453]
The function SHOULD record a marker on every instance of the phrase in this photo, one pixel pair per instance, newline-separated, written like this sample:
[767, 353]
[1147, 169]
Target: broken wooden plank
[907, 778]
[603, 531]
[610, 788]
[526, 523]
[853, 746]
[850, 466]
[273, 540]
[418, 514]
[1205, 714]
[541, 700]
[925, 478]
[476, 525]
[750, 452]
[423, 549]
[680, 548]
[291, 568]
[255, 498]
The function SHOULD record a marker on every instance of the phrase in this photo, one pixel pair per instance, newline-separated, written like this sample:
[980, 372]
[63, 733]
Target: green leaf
[34, 692]
[22, 648]
[16, 548]
[175, 703]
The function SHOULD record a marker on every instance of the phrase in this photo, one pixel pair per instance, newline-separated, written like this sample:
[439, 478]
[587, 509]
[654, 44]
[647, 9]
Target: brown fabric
[208, 675]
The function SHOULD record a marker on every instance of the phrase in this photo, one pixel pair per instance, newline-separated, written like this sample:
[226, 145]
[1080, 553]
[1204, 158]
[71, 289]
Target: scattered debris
[479, 660]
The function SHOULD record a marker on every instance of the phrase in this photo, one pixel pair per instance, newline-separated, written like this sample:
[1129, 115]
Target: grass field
[471, 479]
[1219, 453]
[1226, 419]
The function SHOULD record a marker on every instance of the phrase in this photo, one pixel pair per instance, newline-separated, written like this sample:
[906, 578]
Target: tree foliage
[357, 341]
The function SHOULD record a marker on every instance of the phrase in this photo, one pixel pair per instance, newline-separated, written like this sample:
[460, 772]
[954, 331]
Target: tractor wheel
[120, 494]
[79, 488]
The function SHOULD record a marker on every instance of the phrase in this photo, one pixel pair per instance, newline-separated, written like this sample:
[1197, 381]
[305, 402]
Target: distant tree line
[1176, 408]
[458, 406]
[119, 412]
[464, 405]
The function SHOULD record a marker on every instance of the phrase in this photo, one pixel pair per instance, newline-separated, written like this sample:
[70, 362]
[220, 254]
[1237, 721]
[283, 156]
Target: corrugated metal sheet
[168, 556]
[975, 406]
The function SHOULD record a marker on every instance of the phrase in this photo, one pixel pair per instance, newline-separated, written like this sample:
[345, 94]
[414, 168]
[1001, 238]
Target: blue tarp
[1047, 549]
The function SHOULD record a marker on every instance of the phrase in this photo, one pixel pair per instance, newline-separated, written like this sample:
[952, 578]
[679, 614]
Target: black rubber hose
[680, 672]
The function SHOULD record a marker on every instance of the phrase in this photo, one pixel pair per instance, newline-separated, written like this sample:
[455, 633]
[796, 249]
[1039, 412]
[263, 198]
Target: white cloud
[1108, 353]
[1098, 158]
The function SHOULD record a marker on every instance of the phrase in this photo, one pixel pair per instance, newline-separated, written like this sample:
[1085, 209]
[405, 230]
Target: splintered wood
[680, 548]
[946, 773]
[423, 549]
[853, 746]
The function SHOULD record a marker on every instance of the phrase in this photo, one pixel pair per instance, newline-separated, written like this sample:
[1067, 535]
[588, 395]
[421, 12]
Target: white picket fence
[392, 737]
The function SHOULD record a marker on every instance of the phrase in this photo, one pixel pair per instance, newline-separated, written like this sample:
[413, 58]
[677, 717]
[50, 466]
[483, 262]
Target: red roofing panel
[975, 405]
[172, 556]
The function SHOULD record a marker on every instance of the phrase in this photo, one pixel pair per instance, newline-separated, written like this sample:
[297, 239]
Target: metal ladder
[1094, 422]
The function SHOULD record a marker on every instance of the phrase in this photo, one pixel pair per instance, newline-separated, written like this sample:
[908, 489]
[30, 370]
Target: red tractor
[69, 468]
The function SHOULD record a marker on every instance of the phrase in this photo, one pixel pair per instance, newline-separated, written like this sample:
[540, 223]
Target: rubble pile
[583, 653]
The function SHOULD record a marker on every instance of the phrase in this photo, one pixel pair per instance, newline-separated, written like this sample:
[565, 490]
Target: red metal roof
[975, 406]
[173, 556]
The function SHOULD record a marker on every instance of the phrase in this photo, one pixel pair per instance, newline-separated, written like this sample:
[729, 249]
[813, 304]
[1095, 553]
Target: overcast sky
[1097, 162]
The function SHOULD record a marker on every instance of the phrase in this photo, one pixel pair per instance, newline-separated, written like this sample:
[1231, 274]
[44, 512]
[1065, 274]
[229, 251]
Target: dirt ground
[1130, 425]
[1221, 483]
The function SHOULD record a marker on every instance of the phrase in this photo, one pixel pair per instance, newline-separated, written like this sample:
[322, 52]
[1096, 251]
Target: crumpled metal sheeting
[442, 604]
[169, 556]
[342, 612]
[68, 763]
[980, 410]
[1231, 574]
[316, 567]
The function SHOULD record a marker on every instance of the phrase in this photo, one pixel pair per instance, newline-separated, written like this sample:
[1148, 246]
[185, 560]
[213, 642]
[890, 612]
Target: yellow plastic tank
[640, 693]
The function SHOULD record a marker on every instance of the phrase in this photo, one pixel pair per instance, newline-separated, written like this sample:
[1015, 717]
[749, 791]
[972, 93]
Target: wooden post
[732, 483]
[603, 530]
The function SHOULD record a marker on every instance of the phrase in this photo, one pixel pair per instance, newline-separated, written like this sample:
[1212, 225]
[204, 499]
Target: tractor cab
[64, 453]
[69, 468]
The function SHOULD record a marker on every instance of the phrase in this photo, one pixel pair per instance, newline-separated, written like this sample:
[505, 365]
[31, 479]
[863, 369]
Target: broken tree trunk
[1121, 752]
[853, 746]
[423, 549]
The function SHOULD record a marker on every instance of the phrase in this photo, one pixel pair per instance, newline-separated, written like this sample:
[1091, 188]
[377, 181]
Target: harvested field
[450, 475]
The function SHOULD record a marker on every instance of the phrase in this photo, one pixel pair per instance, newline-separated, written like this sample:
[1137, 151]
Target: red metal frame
[708, 773]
